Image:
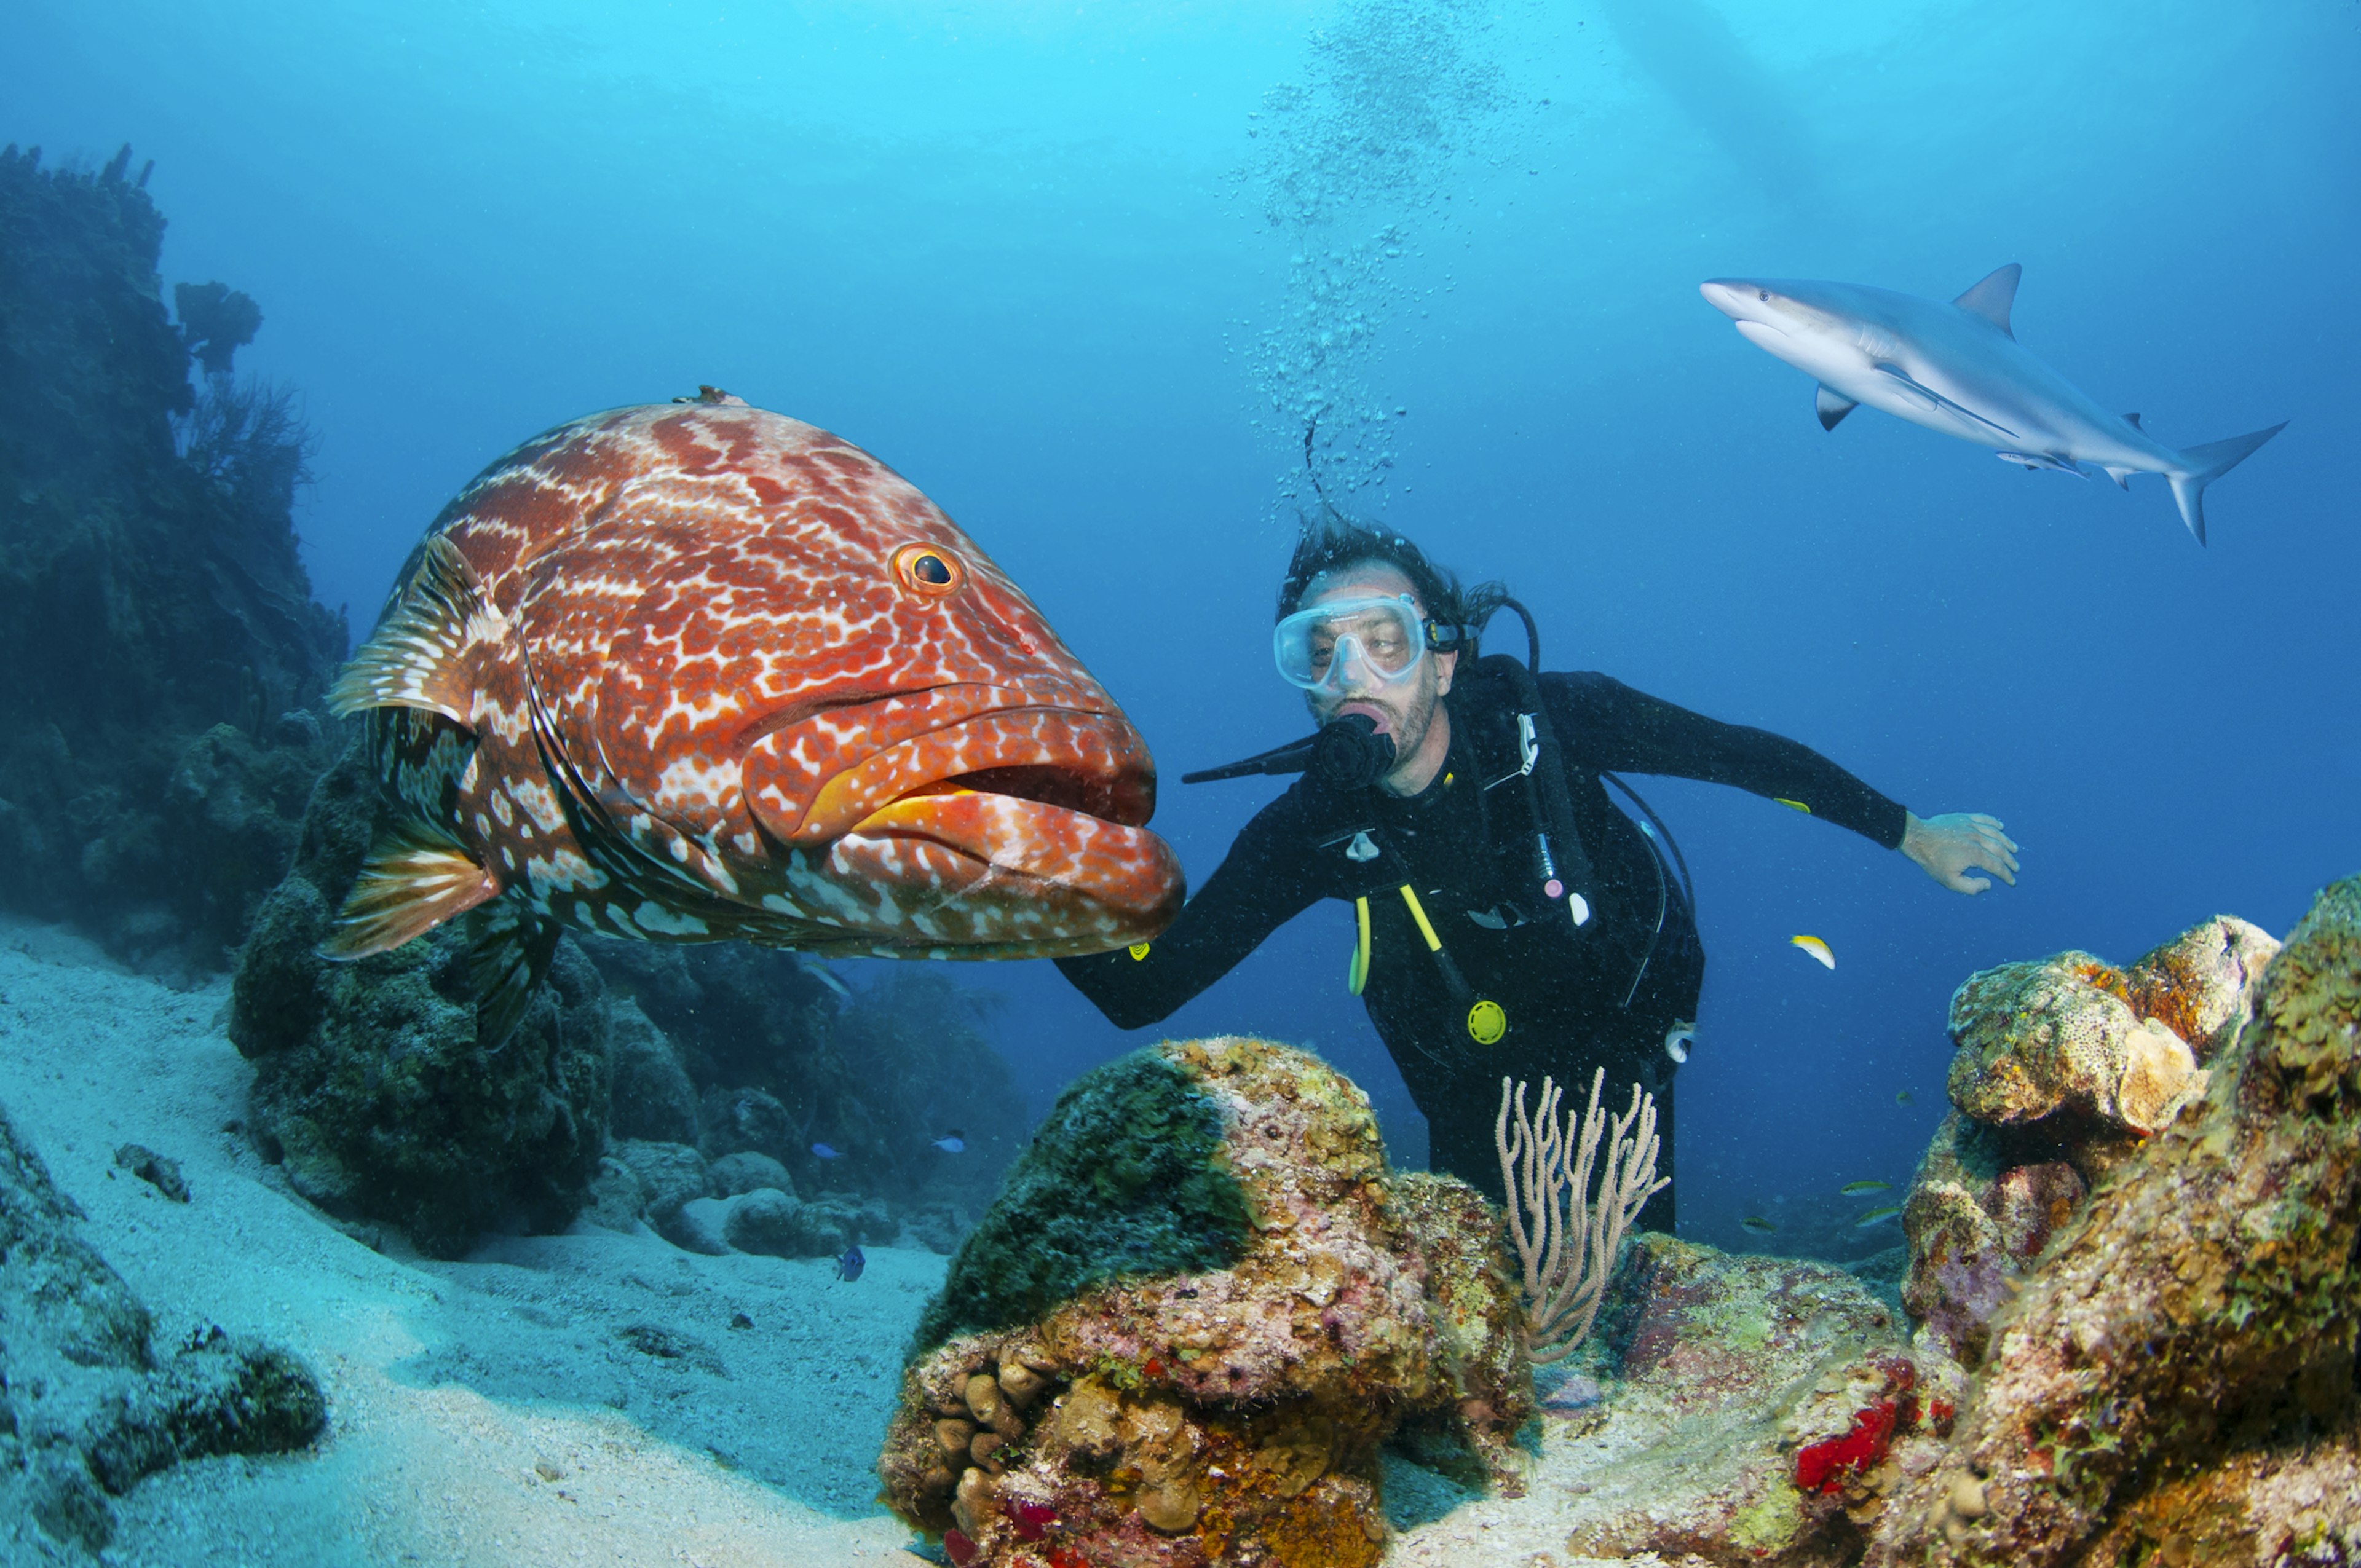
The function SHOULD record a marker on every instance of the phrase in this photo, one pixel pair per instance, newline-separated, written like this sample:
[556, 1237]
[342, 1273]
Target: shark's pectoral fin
[1935, 399]
[1832, 407]
[2133, 420]
[2029, 461]
[2122, 476]
[1992, 298]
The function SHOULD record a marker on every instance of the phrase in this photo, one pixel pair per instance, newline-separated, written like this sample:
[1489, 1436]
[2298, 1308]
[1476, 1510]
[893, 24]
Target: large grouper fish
[693, 672]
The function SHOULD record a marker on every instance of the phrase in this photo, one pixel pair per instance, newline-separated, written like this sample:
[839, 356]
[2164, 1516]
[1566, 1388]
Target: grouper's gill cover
[696, 671]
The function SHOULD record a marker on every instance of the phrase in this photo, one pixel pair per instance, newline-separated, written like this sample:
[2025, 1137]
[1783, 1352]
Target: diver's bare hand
[1947, 847]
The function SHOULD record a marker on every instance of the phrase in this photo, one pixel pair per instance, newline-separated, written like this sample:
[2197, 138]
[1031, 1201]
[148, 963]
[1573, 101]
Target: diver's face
[1402, 708]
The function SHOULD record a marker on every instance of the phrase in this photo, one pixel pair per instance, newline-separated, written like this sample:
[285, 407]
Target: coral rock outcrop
[2065, 1066]
[372, 1089]
[1198, 1306]
[2181, 1358]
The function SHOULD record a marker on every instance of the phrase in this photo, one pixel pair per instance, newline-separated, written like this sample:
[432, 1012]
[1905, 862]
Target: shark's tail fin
[2201, 466]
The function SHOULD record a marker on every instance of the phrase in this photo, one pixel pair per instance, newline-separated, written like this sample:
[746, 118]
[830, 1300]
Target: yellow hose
[1433, 942]
[1357, 974]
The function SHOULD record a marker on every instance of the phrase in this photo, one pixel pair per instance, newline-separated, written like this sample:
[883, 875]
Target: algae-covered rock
[87, 1405]
[1758, 1411]
[2179, 1340]
[1120, 1180]
[654, 1097]
[1200, 1305]
[371, 1087]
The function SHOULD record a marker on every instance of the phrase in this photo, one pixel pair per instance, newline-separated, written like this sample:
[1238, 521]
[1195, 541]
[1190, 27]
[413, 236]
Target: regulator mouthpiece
[1349, 753]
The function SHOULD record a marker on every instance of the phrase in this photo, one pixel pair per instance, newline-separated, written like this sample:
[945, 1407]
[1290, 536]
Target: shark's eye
[928, 570]
[1764, 295]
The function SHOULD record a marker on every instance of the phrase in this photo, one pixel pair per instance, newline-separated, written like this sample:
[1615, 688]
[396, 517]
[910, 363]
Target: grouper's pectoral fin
[417, 876]
[509, 949]
[417, 656]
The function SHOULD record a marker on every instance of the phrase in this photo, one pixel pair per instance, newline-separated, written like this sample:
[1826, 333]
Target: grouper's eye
[928, 570]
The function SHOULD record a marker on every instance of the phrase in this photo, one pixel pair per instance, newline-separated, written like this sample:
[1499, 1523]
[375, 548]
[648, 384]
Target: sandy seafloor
[500, 1411]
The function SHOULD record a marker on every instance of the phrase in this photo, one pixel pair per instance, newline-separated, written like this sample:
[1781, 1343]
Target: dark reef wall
[162, 648]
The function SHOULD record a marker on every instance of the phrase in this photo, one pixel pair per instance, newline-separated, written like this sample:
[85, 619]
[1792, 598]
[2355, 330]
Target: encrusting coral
[2186, 1345]
[1201, 1304]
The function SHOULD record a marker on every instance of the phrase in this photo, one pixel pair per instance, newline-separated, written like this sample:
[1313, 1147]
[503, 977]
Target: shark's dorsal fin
[1992, 298]
[1831, 407]
[417, 657]
[2133, 420]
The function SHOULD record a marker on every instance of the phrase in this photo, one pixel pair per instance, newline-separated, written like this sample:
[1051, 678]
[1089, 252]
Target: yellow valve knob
[1486, 1022]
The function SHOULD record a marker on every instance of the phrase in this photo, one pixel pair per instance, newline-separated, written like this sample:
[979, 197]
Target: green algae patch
[1770, 1522]
[1123, 1180]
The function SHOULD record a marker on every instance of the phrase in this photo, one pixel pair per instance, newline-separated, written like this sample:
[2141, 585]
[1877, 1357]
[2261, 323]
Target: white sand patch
[516, 1408]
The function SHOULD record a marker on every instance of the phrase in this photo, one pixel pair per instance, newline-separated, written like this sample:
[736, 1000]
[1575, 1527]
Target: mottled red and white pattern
[705, 702]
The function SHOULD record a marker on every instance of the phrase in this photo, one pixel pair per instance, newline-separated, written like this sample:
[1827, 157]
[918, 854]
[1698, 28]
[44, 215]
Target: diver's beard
[1407, 718]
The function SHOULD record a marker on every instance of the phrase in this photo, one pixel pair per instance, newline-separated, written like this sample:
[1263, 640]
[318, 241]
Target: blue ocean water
[1082, 272]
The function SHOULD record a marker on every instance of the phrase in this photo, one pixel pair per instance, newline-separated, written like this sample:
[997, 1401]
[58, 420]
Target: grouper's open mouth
[1017, 830]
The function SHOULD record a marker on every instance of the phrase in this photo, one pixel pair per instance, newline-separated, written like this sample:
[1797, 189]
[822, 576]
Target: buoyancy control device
[1348, 754]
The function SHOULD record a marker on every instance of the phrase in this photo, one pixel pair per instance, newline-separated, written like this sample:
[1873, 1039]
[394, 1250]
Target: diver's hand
[1947, 847]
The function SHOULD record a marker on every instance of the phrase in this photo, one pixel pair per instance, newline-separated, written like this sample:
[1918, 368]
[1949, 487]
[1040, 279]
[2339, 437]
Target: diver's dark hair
[1333, 543]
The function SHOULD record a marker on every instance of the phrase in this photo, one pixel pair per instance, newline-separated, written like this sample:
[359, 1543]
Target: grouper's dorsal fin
[1992, 298]
[509, 949]
[416, 877]
[417, 656]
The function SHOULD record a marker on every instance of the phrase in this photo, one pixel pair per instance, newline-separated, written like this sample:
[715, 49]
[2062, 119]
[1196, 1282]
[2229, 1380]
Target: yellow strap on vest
[1356, 973]
[1417, 913]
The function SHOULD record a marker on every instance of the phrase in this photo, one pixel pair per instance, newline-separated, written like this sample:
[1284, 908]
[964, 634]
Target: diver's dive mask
[1354, 645]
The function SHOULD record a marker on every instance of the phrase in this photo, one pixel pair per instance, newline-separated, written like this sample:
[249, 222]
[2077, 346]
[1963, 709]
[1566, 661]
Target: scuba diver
[1510, 919]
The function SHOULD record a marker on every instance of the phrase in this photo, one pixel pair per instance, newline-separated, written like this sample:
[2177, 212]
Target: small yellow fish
[1901, 1097]
[1817, 947]
[1757, 1222]
[1875, 1217]
[1855, 1188]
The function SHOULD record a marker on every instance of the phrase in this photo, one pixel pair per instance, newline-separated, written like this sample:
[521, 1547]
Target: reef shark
[1957, 368]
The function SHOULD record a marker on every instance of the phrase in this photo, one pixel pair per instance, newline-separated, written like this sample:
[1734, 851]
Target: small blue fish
[952, 1142]
[824, 1152]
[849, 1266]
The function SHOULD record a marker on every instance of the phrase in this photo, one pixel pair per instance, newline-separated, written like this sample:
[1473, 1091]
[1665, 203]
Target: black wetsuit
[1467, 851]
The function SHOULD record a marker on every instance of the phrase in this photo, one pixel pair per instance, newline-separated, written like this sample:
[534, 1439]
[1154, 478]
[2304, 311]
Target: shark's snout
[1733, 297]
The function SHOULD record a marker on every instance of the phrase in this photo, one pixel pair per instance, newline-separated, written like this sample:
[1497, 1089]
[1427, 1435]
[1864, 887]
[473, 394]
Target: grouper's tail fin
[2201, 466]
